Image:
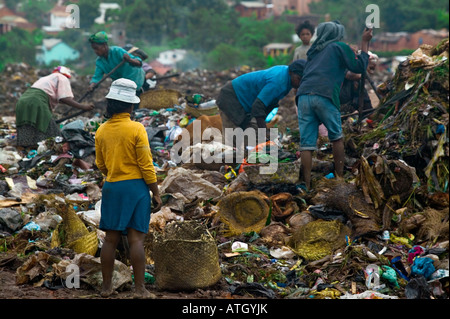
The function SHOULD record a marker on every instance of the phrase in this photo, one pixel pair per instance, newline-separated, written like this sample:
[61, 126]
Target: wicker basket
[87, 244]
[76, 236]
[159, 99]
[244, 212]
[196, 112]
[186, 257]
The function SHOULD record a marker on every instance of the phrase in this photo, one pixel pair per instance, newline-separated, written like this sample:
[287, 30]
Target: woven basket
[76, 236]
[244, 212]
[196, 112]
[159, 99]
[186, 257]
[87, 244]
[318, 239]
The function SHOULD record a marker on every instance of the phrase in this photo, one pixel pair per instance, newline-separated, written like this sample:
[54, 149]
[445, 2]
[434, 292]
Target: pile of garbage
[379, 232]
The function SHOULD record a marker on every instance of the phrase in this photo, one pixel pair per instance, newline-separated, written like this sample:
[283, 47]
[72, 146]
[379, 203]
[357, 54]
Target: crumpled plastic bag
[282, 253]
[159, 219]
[11, 218]
[93, 216]
[175, 201]
[423, 266]
[192, 186]
[207, 154]
[417, 288]
[82, 143]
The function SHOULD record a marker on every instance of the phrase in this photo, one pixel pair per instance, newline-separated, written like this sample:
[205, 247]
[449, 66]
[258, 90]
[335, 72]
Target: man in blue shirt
[318, 95]
[246, 101]
[108, 57]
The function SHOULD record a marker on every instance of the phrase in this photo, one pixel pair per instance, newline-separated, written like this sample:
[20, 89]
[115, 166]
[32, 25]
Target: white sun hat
[123, 90]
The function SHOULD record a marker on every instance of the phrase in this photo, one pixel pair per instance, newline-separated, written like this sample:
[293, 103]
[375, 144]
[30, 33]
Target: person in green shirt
[108, 57]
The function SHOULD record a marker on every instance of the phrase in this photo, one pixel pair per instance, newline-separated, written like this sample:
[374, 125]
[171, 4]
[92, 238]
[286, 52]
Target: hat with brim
[123, 90]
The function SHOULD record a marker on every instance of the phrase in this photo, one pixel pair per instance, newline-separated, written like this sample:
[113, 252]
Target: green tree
[442, 18]
[11, 4]
[218, 6]
[150, 19]
[207, 29]
[420, 14]
[37, 11]
[224, 56]
[88, 12]
[254, 57]
[251, 33]
[352, 14]
[19, 45]
[278, 30]
[395, 16]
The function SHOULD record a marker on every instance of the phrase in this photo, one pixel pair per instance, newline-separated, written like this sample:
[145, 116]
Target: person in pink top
[34, 121]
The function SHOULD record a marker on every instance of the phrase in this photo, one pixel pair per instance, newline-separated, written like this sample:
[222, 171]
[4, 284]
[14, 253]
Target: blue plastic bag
[423, 266]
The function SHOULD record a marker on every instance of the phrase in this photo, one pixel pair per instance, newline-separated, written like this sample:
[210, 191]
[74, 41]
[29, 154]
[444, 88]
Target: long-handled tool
[89, 92]
[166, 76]
[361, 90]
[364, 113]
[361, 96]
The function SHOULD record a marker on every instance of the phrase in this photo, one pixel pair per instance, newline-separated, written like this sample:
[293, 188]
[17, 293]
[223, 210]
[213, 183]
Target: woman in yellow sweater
[123, 155]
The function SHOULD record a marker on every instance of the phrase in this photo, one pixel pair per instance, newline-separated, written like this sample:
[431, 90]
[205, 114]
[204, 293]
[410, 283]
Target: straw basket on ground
[159, 99]
[73, 234]
[244, 212]
[186, 257]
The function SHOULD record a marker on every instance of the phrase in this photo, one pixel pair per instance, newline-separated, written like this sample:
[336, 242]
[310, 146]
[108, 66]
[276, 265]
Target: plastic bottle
[373, 274]
[207, 105]
[385, 236]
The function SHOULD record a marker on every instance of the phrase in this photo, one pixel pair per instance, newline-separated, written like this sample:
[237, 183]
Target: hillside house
[299, 6]
[250, 8]
[55, 50]
[10, 20]
[397, 41]
[276, 49]
[103, 7]
[58, 18]
[171, 57]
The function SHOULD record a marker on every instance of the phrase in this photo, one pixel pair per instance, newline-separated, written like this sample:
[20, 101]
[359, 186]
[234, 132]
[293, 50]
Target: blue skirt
[125, 204]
